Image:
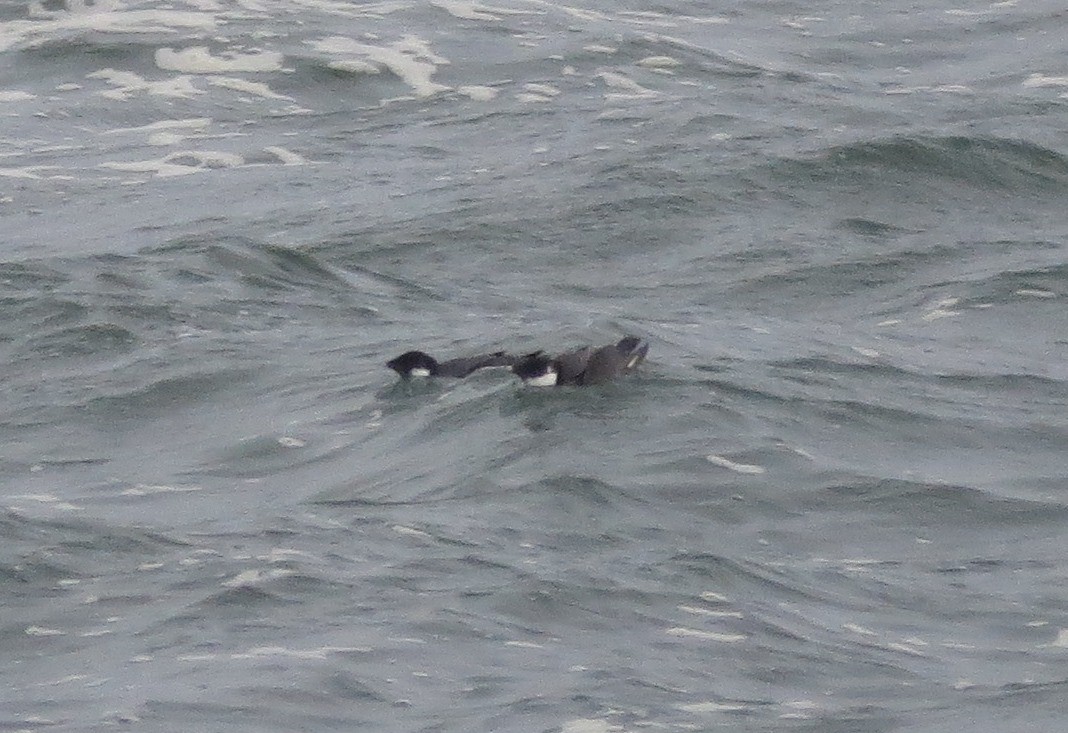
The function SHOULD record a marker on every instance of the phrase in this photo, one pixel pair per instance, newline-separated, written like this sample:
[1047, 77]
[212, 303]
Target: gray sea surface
[834, 499]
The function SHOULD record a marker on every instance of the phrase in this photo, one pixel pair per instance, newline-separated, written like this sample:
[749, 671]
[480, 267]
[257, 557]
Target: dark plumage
[583, 366]
[419, 363]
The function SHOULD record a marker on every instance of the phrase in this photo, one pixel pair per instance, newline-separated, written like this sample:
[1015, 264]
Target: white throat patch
[420, 372]
[545, 380]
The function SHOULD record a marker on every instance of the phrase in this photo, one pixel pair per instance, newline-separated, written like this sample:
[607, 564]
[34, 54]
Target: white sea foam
[940, 89]
[287, 157]
[42, 631]
[127, 83]
[989, 10]
[857, 629]
[942, 309]
[545, 90]
[15, 95]
[528, 97]
[94, 633]
[625, 87]
[478, 93]
[66, 679]
[248, 578]
[199, 60]
[49, 499]
[196, 657]
[354, 66]
[588, 725]
[659, 62]
[474, 11]
[181, 163]
[697, 611]
[537, 93]
[905, 648]
[149, 489]
[255, 88]
[410, 531]
[1041, 80]
[798, 709]
[714, 707]
[280, 651]
[285, 554]
[801, 22]
[375, 421]
[801, 705]
[706, 635]
[27, 171]
[736, 467]
[166, 139]
[410, 59]
[195, 124]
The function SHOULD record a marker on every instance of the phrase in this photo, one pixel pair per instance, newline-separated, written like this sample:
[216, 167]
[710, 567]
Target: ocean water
[834, 499]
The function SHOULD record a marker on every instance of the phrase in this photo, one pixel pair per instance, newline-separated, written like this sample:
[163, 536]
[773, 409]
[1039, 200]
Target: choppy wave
[958, 160]
[831, 499]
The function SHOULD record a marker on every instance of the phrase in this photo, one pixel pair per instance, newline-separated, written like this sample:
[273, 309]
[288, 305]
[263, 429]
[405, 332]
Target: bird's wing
[464, 366]
[571, 365]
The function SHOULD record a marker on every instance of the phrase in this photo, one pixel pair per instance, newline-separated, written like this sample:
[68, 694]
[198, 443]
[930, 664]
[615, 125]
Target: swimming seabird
[583, 366]
[421, 364]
